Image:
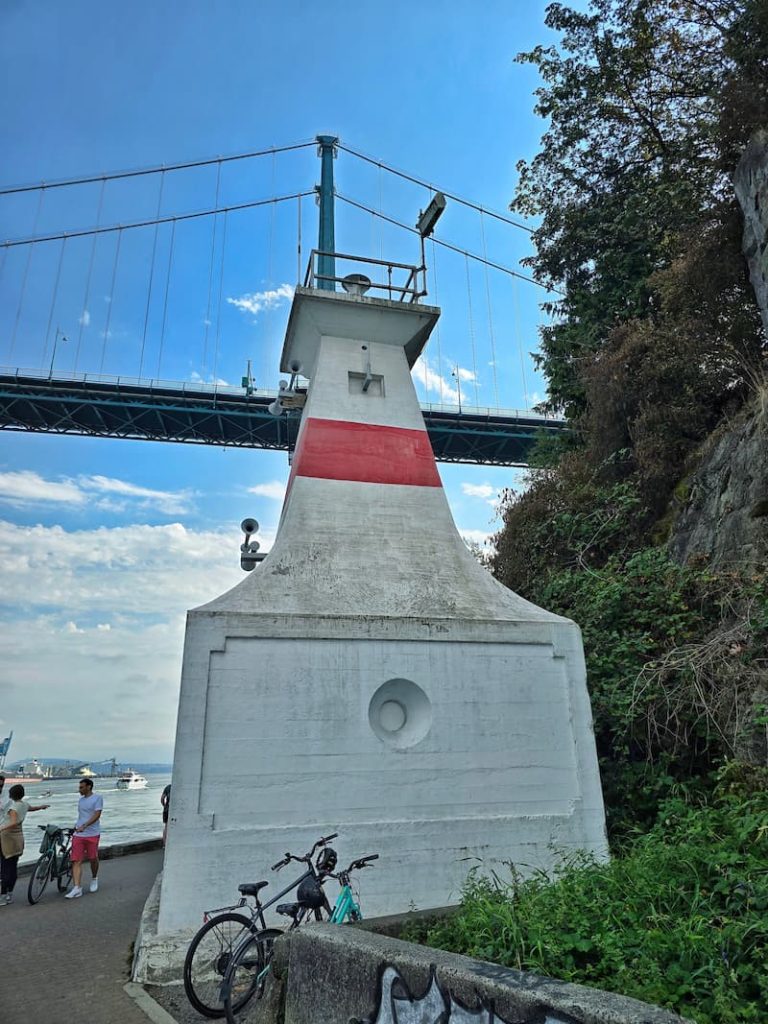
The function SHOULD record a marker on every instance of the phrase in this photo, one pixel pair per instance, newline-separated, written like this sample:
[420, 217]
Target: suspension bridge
[129, 306]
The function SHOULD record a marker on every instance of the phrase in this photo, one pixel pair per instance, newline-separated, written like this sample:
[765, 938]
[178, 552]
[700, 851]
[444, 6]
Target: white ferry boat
[131, 780]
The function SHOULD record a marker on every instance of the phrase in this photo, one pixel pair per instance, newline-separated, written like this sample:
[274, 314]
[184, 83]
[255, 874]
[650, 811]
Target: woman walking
[12, 840]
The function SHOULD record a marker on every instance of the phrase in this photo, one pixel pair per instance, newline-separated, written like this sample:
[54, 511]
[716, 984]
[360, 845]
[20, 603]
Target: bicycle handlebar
[361, 862]
[306, 859]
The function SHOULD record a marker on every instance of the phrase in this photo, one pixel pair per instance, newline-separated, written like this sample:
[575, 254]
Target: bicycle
[251, 960]
[54, 862]
[210, 951]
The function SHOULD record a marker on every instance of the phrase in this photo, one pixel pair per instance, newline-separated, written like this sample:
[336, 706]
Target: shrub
[680, 920]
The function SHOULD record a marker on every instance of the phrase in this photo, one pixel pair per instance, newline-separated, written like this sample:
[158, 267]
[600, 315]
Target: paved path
[67, 960]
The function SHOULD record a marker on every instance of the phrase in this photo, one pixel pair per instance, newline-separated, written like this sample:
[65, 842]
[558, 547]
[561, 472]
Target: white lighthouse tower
[370, 678]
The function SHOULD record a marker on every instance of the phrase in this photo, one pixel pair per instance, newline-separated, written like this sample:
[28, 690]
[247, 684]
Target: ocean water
[128, 815]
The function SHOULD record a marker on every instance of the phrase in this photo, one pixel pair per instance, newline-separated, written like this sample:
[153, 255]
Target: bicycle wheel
[39, 878]
[247, 974]
[207, 961]
[64, 873]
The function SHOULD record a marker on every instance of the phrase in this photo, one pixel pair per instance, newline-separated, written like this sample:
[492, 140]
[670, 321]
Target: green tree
[630, 159]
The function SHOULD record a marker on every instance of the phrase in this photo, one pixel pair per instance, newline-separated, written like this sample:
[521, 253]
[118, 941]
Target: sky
[104, 545]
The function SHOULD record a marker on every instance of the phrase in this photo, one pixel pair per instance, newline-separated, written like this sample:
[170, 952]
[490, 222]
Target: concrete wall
[334, 975]
[497, 766]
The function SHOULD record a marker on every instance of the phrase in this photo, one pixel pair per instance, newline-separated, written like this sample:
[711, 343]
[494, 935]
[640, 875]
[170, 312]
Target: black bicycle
[223, 930]
[54, 862]
[250, 963]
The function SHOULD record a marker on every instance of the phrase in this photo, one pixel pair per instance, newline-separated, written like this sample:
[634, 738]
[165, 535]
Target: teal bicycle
[246, 975]
[345, 908]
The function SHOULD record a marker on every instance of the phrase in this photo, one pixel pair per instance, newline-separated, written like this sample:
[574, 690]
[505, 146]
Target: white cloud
[488, 493]
[25, 487]
[85, 318]
[275, 490]
[196, 378]
[92, 630]
[465, 374]
[169, 502]
[481, 537]
[256, 302]
[441, 388]
[477, 490]
[434, 385]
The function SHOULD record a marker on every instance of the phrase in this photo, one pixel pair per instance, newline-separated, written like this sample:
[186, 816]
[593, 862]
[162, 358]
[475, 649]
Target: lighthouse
[369, 677]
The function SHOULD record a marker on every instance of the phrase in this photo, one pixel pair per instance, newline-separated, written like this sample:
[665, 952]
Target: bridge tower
[369, 677]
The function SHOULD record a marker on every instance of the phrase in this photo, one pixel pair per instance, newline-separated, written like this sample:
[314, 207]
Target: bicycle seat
[251, 888]
[289, 909]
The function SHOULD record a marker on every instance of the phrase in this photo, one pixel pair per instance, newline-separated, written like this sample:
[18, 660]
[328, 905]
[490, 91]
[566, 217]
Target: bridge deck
[217, 415]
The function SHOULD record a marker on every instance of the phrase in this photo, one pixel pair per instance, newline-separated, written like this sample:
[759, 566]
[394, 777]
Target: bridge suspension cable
[139, 172]
[169, 219]
[447, 245]
[434, 188]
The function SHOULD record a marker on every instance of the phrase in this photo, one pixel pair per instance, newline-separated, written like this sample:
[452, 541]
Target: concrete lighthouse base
[290, 729]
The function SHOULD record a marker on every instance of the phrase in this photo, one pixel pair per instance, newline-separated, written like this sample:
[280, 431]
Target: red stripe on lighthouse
[365, 452]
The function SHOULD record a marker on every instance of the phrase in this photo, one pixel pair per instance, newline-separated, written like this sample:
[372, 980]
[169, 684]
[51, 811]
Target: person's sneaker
[6, 899]
[94, 886]
[74, 892]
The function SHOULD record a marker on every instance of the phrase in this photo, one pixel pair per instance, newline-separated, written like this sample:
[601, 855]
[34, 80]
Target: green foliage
[680, 920]
[656, 338]
[569, 519]
[646, 101]
[676, 655]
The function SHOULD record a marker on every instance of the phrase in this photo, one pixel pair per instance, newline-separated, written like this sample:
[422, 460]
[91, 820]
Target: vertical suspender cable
[210, 272]
[111, 300]
[271, 224]
[519, 341]
[439, 350]
[298, 241]
[424, 352]
[471, 329]
[221, 287]
[26, 275]
[381, 222]
[85, 315]
[54, 296]
[151, 274]
[490, 314]
[165, 298]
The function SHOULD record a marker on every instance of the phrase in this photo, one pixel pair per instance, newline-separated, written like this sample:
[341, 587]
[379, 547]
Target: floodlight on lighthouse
[425, 225]
[275, 408]
[249, 549]
[356, 284]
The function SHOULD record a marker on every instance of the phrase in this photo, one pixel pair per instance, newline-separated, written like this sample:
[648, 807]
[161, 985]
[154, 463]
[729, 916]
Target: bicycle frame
[259, 907]
[345, 906]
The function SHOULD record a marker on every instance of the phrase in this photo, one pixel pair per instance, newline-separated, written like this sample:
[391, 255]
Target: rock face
[725, 505]
[751, 184]
[725, 515]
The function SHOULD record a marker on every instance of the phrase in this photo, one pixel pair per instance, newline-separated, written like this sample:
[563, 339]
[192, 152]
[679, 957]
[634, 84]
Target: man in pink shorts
[85, 841]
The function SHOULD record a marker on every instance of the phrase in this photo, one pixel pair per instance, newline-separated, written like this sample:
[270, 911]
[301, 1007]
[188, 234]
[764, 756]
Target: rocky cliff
[724, 502]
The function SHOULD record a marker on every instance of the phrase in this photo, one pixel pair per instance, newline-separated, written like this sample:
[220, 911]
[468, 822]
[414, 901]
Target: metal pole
[326, 265]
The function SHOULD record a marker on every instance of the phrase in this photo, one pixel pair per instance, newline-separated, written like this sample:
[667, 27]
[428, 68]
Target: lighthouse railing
[399, 282]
